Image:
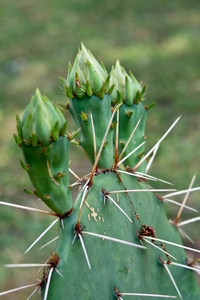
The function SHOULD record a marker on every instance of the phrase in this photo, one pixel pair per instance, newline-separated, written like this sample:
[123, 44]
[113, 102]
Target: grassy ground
[158, 40]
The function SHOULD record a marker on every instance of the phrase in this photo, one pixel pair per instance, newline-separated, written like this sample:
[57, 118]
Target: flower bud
[86, 76]
[126, 88]
[42, 121]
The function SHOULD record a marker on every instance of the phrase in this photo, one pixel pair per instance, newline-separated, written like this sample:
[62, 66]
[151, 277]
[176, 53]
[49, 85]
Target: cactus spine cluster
[115, 241]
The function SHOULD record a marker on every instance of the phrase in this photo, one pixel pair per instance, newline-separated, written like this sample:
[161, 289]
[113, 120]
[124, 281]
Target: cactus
[115, 241]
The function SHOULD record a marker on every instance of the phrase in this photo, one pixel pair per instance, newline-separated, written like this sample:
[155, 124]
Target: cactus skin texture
[92, 265]
[112, 264]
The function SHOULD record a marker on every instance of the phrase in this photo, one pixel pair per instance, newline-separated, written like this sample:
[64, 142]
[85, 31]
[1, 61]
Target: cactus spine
[115, 241]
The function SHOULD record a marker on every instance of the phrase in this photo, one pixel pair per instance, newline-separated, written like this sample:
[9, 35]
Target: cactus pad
[115, 240]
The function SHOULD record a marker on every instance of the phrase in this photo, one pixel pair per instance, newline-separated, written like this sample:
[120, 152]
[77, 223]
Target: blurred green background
[158, 40]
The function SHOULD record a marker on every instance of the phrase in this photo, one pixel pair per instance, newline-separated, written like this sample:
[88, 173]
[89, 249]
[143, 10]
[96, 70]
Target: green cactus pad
[115, 237]
[130, 269]
[46, 150]
[100, 109]
[44, 171]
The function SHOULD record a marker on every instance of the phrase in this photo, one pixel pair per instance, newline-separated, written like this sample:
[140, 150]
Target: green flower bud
[86, 76]
[42, 121]
[128, 87]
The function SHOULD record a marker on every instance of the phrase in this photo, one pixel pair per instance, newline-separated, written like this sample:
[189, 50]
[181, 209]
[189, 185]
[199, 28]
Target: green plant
[114, 240]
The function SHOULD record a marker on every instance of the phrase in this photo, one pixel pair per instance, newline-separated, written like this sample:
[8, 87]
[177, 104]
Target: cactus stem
[20, 288]
[192, 220]
[158, 248]
[181, 192]
[105, 237]
[179, 204]
[172, 279]
[147, 190]
[75, 175]
[156, 145]
[117, 140]
[84, 250]
[53, 240]
[184, 200]
[111, 199]
[48, 283]
[152, 158]
[28, 208]
[127, 143]
[171, 243]
[52, 224]
[134, 150]
[102, 143]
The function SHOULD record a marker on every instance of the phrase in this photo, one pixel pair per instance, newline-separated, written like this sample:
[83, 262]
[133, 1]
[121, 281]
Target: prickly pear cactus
[115, 241]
